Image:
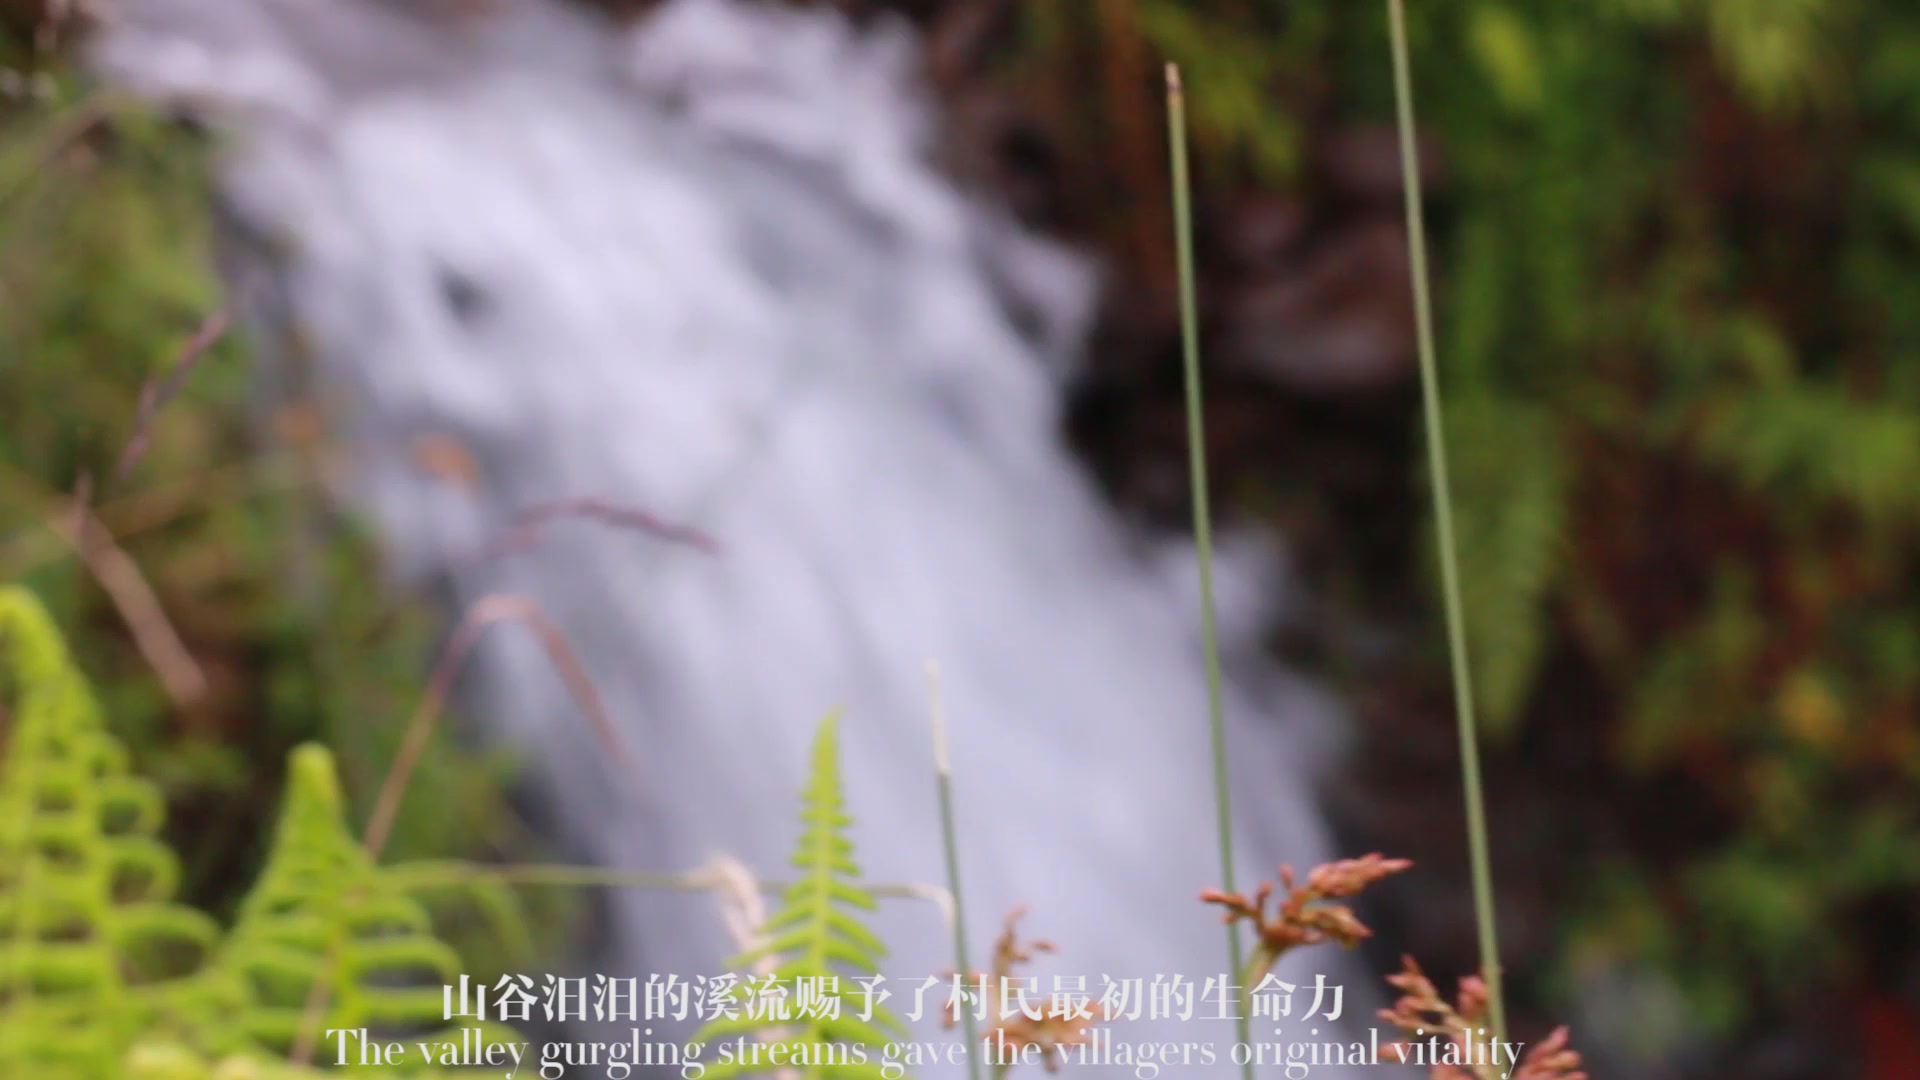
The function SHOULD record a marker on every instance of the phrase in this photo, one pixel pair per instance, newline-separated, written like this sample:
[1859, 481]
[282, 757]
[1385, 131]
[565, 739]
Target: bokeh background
[1678, 268]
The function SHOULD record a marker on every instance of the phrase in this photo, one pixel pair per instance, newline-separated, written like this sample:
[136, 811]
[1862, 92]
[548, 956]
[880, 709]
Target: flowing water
[702, 268]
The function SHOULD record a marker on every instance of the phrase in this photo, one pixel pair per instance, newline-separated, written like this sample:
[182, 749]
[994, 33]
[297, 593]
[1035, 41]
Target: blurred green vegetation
[102, 972]
[105, 277]
[1680, 243]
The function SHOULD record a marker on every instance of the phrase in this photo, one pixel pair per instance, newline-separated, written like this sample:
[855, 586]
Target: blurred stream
[700, 269]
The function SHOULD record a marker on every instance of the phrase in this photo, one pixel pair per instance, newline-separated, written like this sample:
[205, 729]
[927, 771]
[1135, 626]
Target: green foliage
[1690, 691]
[1511, 485]
[322, 913]
[1676, 244]
[1670, 293]
[105, 274]
[93, 952]
[815, 936]
[1239, 69]
[1775, 49]
[170, 1061]
[1677, 261]
[1823, 445]
[102, 973]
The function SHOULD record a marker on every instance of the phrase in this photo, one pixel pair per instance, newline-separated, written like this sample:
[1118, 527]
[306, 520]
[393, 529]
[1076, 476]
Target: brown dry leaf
[446, 458]
[298, 423]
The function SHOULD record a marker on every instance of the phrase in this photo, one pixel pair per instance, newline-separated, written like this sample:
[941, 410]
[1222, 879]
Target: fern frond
[323, 912]
[815, 935]
[171, 1061]
[1510, 482]
[102, 974]
[1815, 440]
[93, 950]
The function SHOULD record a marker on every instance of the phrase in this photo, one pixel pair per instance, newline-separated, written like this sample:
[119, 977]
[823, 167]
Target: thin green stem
[943, 780]
[453, 874]
[1443, 520]
[1202, 515]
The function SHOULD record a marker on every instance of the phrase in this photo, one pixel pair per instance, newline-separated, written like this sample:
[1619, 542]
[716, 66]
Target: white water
[702, 268]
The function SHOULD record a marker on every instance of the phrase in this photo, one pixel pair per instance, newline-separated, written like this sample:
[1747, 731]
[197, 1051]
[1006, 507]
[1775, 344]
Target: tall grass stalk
[949, 838]
[1443, 523]
[1202, 515]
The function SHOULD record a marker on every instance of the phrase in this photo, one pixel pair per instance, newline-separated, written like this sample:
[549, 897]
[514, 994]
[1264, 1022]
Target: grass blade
[1202, 515]
[1477, 846]
[949, 837]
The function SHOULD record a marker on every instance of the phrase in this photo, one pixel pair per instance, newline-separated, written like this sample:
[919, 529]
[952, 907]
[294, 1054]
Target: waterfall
[701, 267]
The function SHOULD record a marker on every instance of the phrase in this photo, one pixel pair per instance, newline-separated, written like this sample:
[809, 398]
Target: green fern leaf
[171, 1061]
[322, 911]
[93, 950]
[1510, 486]
[102, 975]
[814, 935]
[1814, 440]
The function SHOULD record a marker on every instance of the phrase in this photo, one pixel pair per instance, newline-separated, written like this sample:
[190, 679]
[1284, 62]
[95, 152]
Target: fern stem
[949, 838]
[1202, 516]
[1477, 846]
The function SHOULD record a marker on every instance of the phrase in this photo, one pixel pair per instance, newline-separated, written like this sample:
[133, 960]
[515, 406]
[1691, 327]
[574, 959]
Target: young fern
[104, 976]
[815, 936]
[93, 950]
[323, 911]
